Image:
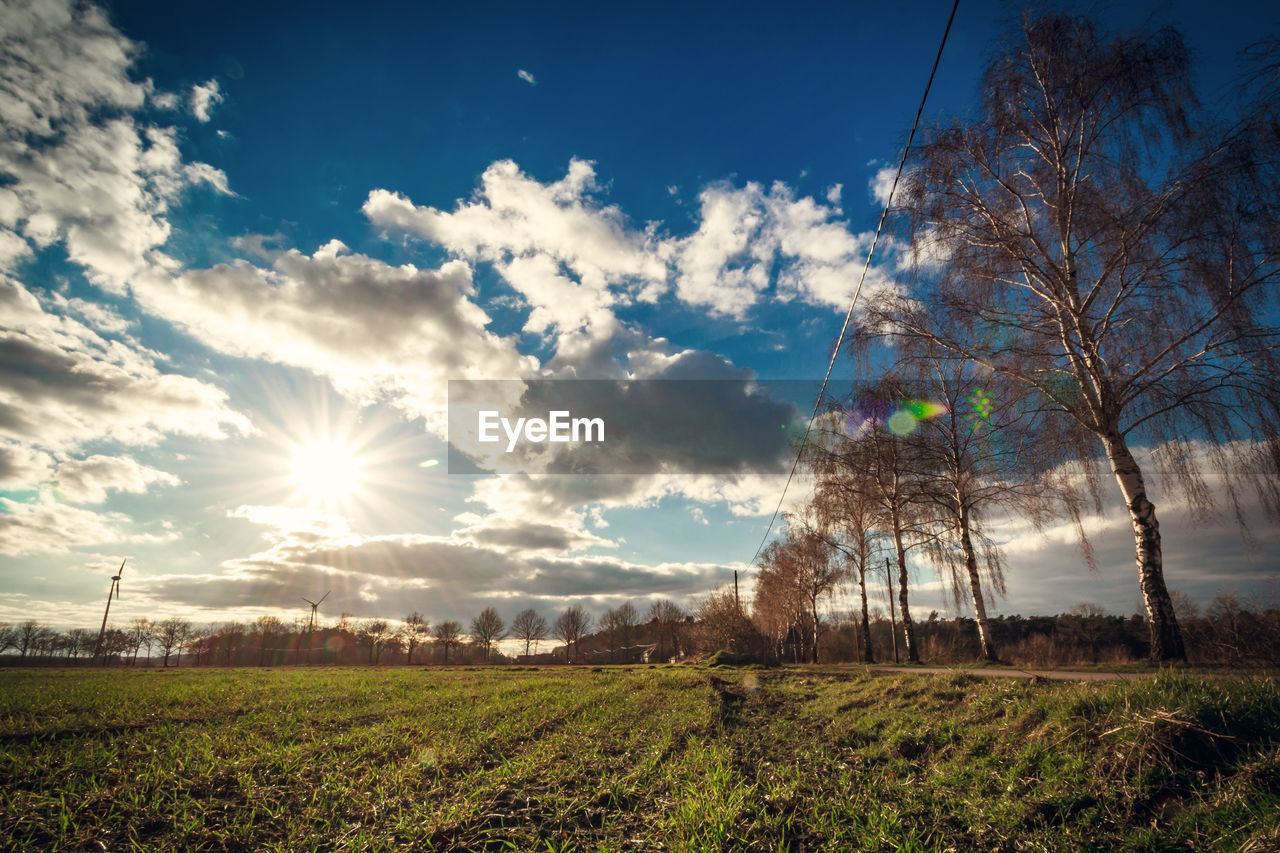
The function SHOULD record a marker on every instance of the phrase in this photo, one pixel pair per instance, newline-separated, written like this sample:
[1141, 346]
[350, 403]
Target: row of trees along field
[620, 635]
[1091, 289]
[1228, 632]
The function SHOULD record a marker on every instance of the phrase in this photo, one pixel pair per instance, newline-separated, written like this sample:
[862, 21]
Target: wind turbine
[310, 625]
[115, 590]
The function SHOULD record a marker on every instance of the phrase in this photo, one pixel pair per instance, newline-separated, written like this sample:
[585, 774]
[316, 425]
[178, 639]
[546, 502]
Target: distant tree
[393, 642]
[373, 633]
[801, 569]
[626, 618]
[447, 635]
[115, 643]
[266, 627]
[414, 630]
[722, 623]
[230, 639]
[200, 643]
[619, 625]
[530, 627]
[893, 478]
[29, 636]
[77, 641]
[667, 619]
[844, 508]
[141, 633]
[488, 628]
[1121, 248]
[570, 627]
[171, 634]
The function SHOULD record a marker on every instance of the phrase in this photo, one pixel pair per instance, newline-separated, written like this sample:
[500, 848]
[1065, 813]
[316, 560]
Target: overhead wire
[884, 214]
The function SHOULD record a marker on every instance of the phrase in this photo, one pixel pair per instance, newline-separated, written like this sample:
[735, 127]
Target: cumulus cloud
[65, 384]
[746, 233]
[62, 384]
[377, 331]
[526, 77]
[881, 184]
[576, 260]
[47, 526]
[204, 97]
[571, 257]
[82, 171]
[88, 480]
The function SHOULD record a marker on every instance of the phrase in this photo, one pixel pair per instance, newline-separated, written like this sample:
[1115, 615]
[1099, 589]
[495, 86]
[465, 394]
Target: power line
[884, 214]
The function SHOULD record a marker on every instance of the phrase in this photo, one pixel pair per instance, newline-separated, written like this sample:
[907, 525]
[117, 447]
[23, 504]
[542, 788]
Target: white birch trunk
[1166, 637]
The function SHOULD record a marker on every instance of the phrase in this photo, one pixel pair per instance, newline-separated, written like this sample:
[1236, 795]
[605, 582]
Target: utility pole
[736, 602]
[893, 617]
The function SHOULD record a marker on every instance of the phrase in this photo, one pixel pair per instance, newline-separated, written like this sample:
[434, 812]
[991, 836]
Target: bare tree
[414, 630]
[447, 635]
[980, 455]
[530, 627]
[374, 634]
[845, 510]
[1133, 297]
[115, 643]
[570, 627]
[78, 640]
[141, 633]
[171, 634]
[891, 478]
[488, 628]
[266, 627]
[619, 624]
[723, 625]
[802, 568]
[8, 637]
[29, 636]
[231, 638]
[667, 618]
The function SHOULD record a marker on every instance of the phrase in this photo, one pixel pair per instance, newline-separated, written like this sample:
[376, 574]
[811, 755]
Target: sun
[326, 472]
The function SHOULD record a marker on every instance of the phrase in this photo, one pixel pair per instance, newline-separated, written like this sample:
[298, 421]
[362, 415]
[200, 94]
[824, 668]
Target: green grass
[676, 758]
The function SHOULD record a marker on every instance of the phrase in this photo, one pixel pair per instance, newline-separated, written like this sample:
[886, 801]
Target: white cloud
[62, 384]
[576, 260]
[165, 100]
[526, 77]
[444, 577]
[882, 183]
[47, 526]
[378, 331]
[204, 96]
[88, 480]
[571, 257]
[84, 171]
[745, 233]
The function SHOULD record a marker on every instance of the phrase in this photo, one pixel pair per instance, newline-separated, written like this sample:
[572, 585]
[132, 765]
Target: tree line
[1088, 292]
[618, 635]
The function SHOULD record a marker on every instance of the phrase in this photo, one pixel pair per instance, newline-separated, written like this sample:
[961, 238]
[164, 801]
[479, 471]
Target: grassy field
[677, 758]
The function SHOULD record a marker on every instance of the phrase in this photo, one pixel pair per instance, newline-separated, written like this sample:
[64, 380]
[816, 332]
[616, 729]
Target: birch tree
[1119, 247]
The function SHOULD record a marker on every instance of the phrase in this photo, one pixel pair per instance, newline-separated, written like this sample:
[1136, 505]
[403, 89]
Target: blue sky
[245, 246]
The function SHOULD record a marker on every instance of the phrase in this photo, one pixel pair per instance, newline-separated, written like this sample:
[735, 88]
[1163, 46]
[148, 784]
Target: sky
[245, 248]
